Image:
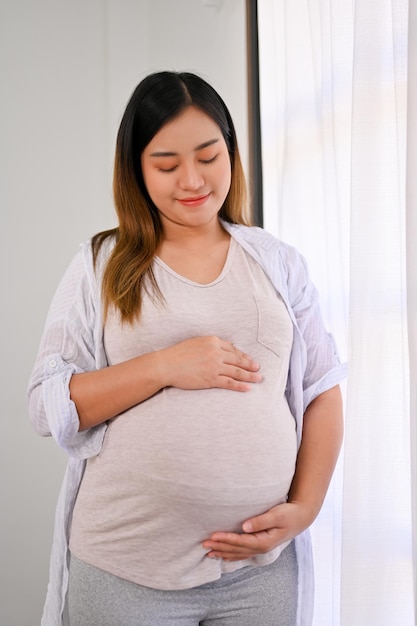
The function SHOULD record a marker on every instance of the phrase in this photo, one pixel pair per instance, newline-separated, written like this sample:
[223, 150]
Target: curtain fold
[376, 555]
[333, 83]
[411, 228]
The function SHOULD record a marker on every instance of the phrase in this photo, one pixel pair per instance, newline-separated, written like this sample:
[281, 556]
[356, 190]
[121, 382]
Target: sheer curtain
[411, 232]
[333, 80]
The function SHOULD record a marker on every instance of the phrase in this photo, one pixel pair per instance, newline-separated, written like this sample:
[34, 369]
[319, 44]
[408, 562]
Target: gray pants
[251, 596]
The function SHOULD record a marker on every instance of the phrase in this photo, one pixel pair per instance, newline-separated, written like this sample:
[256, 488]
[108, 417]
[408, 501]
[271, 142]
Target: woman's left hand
[260, 534]
[317, 455]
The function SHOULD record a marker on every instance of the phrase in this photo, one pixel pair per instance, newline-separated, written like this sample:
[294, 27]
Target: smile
[196, 201]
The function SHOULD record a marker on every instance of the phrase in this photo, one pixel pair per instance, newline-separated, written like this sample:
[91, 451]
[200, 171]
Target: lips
[194, 201]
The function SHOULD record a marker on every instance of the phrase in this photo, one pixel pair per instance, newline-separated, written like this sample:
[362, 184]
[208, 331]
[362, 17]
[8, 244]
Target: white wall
[67, 70]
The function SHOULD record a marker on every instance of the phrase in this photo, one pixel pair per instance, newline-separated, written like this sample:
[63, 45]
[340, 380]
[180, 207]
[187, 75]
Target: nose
[190, 177]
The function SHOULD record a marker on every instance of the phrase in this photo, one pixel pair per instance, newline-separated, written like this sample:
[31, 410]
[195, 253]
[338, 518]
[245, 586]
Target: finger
[226, 551]
[223, 550]
[233, 385]
[266, 521]
[248, 545]
[240, 358]
[227, 382]
[241, 375]
[231, 541]
[235, 539]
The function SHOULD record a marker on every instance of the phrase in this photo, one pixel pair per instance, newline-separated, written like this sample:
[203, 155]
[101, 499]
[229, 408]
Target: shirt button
[52, 363]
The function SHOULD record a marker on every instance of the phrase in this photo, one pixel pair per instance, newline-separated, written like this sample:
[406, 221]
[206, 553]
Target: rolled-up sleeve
[321, 365]
[68, 346]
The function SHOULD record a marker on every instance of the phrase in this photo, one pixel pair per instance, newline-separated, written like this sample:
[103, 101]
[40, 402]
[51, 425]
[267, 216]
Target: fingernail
[247, 527]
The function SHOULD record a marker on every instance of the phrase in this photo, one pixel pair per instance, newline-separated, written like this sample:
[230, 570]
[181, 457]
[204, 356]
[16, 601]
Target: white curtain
[411, 238]
[333, 79]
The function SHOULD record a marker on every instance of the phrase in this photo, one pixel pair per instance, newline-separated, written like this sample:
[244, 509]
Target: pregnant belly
[164, 503]
[163, 483]
[154, 536]
[223, 446]
[206, 464]
[210, 470]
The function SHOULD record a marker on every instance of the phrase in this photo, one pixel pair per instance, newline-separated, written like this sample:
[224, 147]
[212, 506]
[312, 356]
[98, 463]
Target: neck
[193, 236]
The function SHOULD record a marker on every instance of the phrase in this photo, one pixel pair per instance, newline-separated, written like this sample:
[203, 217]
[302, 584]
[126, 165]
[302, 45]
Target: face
[186, 169]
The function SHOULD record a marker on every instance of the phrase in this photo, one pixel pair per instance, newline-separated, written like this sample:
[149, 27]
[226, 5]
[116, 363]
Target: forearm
[317, 456]
[319, 450]
[196, 363]
[103, 394]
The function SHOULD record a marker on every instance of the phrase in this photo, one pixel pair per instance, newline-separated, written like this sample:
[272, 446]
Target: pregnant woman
[186, 370]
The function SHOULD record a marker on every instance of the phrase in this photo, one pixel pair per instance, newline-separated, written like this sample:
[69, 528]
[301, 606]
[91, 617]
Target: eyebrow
[206, 144]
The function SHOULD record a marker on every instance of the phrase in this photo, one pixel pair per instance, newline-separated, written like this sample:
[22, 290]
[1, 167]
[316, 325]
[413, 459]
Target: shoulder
[93, 262]
[283, 263]
[269, 248]
[82, 278]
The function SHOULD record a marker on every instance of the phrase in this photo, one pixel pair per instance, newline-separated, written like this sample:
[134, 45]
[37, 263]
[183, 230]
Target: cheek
[154, 184]
[225, 178]
[151, 178]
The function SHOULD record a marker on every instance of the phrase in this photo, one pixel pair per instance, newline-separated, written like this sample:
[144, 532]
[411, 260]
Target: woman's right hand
[207, 362]
[197, 363]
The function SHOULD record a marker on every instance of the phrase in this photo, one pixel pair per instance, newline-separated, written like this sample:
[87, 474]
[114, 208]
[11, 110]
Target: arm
[319, 450]
[69, 345]
[73, 392]
[197, 363]
[317, 456]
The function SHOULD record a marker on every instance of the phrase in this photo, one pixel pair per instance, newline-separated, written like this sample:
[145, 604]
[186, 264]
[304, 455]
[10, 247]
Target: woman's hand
[197, 363]
[206, 362]
[262, 533]
[316, 459]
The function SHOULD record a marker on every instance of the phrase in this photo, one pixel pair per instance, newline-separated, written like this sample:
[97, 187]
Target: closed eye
[169, 169]
[174, 167]
[207, 161]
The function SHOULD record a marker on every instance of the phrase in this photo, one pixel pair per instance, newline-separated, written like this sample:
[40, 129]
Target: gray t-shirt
[184, 463]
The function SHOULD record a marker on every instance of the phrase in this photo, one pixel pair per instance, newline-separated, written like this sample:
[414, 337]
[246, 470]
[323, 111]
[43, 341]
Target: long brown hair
[156, 100]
